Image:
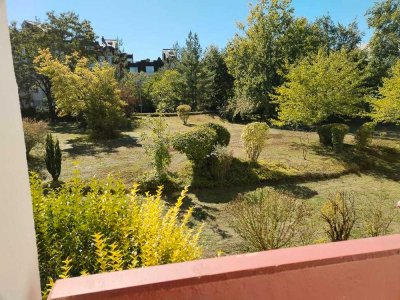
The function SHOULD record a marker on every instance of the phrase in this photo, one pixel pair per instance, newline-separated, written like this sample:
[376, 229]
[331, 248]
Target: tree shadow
[379, 161]
[36, 164]
[84, 146]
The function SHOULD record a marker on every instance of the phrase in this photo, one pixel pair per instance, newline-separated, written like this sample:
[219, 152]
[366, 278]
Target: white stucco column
[19, 273]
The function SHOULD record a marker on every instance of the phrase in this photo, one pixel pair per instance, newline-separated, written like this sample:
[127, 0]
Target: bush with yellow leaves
[98, 227]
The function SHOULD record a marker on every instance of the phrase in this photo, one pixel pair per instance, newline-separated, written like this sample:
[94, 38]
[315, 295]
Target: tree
[319, 87]
[132, 87]
[197, 79]
[53, 157]
[90, 92]
[165, 88]
[63, 34]
[384, 18]
[221, 86]
[334, 37]
[386, 108]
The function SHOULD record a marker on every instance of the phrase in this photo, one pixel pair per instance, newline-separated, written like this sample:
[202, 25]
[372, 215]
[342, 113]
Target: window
[149, 69]
[133, 69]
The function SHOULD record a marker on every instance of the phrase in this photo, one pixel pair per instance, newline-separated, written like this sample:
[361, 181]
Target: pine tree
[53, 157]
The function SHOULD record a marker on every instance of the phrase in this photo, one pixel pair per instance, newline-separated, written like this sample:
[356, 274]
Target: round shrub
[223, 135]
[220, 162]
[254, 137]
[196, 144]
[364, 134]
[34, 133]
[333, 135]
[183, 111]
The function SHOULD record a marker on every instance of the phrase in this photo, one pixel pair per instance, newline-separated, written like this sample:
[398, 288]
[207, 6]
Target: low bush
[220, 163]
[34, 133]
[89, 222]
[156, 144]
[364, 134]
[183, 111]
[196, 144]
[377, 216]
[223, 134]
[267, 219]
[254, 137]
[333, 135]
[53, 157]
[339, 215]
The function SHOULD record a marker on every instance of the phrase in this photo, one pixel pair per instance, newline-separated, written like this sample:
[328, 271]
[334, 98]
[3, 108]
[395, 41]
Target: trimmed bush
[220, 162]
[98, 226]
[339, 215]
[196, 144]
[364, 134]
[34, 133]
[53, 157]
[183, 111]
[223, 135]
[254, 137]
[267, 219]
[333, 135]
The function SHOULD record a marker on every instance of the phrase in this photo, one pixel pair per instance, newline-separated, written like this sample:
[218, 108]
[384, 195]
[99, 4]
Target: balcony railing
[357, 269]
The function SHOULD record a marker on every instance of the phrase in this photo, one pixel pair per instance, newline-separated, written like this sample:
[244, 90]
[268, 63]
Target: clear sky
[147, 26]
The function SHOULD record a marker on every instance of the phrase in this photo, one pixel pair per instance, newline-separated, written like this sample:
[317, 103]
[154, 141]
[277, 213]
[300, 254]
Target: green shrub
[156, 144]
[364, 134]
[254, 137]
[339, 215]
[183, 111]
[223, 135]
[196, 144]
[137, 230]
[267, 219]
[34, 133]
[53, 157]
[333, 135]
[220, 162]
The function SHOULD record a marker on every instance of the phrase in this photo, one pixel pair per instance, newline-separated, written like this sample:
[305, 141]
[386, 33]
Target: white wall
[19, 275]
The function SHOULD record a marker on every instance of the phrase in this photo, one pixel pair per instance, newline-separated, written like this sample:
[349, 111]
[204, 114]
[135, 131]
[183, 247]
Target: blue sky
[147, 26]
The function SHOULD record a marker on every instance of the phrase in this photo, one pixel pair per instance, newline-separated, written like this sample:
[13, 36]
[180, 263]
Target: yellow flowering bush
[97, 226]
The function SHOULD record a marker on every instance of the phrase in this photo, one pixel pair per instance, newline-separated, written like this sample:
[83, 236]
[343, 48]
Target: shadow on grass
[378, 161]
[84, 146]
[36, 164]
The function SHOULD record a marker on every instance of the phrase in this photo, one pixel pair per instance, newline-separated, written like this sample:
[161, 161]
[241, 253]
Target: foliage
[336, 78]
[165, 88]
[34, 133]
[339, 215]
[196, 144]
[53, 157]
[267, 219]
[132, 87]
[63, 34]
[384, 19]
[183, 111]
[129, 230]
[220, 88]
[91, 92]
[333, 135]
[386, 108]
[157, 144]
[364, 134]
[223, 135]
[221, 162]
[254, 137]
[377, 216]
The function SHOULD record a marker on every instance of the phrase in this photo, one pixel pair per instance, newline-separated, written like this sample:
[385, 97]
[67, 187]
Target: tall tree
[384, 18]
[386, 108]
[63, 34]
[319, 87]
[197, 79]
[221, 86]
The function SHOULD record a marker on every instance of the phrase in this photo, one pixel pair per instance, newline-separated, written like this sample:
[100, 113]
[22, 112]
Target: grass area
[292, 161]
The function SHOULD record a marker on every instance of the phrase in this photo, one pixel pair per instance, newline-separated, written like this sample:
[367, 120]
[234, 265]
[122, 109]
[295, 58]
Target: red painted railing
[357, 269]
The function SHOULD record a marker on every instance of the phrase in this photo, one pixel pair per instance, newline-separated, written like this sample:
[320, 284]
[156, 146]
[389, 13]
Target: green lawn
[368, 174]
